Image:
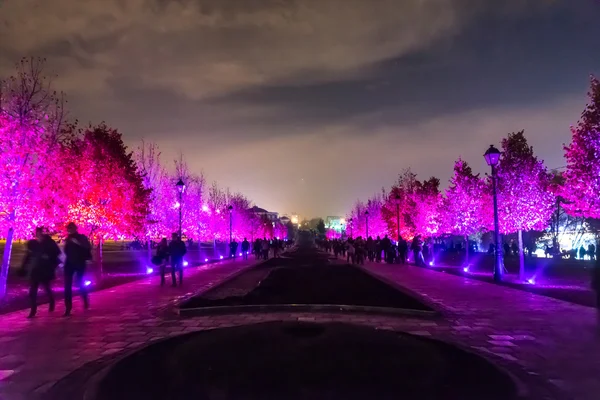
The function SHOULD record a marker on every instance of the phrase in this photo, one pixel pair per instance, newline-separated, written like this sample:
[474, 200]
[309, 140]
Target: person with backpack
[40, 263]
[78, 251]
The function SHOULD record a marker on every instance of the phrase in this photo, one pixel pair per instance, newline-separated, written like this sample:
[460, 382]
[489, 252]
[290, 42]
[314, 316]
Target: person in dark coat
[245, 248]
[386, 245]
[78, 251]
[177, 250]
[402, 250]
[40, 263]
[162, 256]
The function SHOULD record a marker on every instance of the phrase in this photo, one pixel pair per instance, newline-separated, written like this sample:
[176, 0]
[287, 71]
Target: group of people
[262, 247]
[170, 253]
[356, 251]
[43, 258]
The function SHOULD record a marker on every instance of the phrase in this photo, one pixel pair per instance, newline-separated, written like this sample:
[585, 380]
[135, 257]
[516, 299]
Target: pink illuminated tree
[158, 182]
[377, 226]
[464, 206]
[428, 201]
[401, 200]
[31, 123]
[525, 201]
[418, 205]
[582, 176]
[107, 197]
[581, 189]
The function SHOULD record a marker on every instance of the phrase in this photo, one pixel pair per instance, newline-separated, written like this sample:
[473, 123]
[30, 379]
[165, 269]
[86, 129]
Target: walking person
[245, 248]
[78, 251]
[177, 250]
[162, 257]
[265, 249]
[40, 263]
[350, 251]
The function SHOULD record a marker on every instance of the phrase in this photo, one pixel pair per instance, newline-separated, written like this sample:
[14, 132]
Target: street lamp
[180, 188]
[367, 215]
[397, 201]
[230, 208]
[492, 157]
[351, 227]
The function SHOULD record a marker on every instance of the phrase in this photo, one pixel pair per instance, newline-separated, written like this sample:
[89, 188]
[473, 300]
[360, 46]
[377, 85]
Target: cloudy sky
[307, 105]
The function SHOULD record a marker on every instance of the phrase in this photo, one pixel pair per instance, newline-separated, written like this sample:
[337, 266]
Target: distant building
[271, 216]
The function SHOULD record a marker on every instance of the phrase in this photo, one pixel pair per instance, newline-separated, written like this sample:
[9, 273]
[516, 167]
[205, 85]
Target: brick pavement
[548, 344]
[35, 353]
[557, 341]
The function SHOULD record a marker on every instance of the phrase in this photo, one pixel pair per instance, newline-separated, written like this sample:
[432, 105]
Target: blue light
[87, 283]
[185, 263]
[149, 270]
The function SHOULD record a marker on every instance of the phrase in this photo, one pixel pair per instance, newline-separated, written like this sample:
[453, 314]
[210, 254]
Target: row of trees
[527, 192]
[54, 171]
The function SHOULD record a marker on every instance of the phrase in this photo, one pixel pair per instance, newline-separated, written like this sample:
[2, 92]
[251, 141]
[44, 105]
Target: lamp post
[367, 215]
[230, 208]
[351, 227]
[397, 201]
[181, 188]
[492, 157]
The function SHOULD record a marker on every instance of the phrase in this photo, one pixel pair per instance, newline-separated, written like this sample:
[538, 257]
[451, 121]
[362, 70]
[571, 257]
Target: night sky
[306, 106]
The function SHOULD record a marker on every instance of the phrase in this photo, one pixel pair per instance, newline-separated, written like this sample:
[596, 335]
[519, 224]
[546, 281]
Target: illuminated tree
[107, 196]
[428, 203]
[31, 118]
[525, 201]
[464, 205]
[377, 225]
[418, 204]
[402, 199]
[158, 182]
[582, 176]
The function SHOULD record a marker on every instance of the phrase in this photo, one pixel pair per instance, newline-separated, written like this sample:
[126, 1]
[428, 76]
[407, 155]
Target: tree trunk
[149, 251]
[467, 251]
[100, 267]
[521, 257]
[6, 261]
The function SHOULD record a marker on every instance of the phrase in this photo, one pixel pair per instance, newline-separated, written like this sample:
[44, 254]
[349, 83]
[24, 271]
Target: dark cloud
[340, 93]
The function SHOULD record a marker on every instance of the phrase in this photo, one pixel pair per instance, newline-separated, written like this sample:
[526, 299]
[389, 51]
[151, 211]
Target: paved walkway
[557, 341]
[34, 354]
[550, 345]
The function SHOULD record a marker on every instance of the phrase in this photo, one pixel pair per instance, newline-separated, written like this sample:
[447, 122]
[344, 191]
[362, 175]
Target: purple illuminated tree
[31, 122]
[402, 198]
[376, 223]
[464, 205]
[428, 204]
[525, 201]
[581, 188]
[582, 176]
[158, 182]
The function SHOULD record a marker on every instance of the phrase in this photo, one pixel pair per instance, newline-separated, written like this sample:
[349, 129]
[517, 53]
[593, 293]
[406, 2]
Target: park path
[555, 340]
[35, 353]
[549, 345]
